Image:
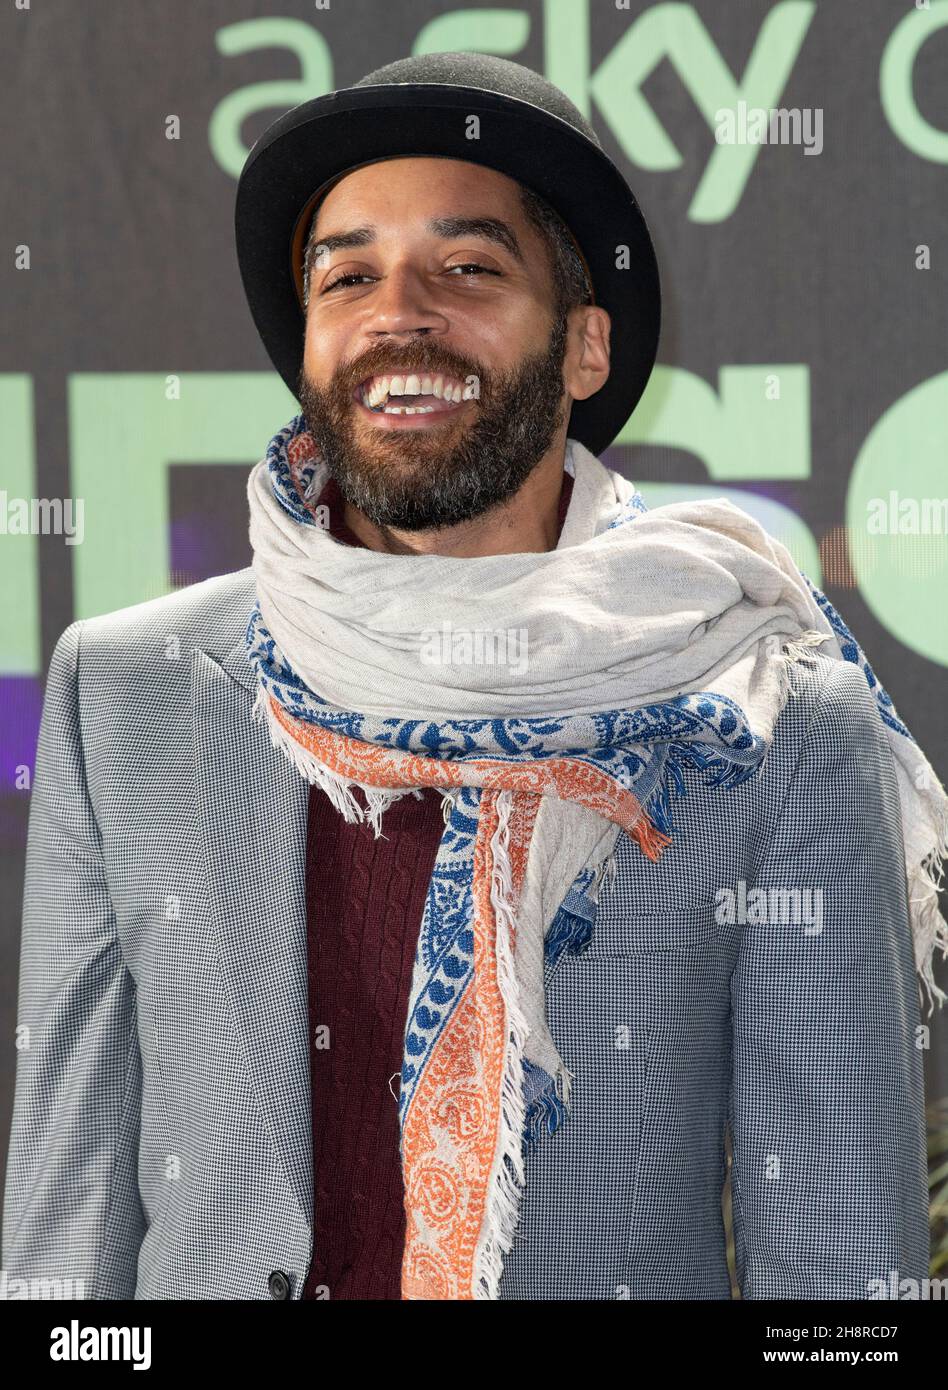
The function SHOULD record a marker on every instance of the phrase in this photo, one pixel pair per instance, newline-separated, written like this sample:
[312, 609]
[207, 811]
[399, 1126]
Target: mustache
[417, 359]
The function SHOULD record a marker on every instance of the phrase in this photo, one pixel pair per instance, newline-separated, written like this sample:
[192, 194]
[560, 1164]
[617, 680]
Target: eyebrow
[487, 228]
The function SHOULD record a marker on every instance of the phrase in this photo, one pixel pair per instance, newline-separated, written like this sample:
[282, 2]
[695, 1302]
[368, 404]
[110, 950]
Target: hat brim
[306, 149]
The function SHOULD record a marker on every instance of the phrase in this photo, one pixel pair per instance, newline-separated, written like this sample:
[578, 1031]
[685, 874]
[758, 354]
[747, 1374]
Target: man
[452, 981]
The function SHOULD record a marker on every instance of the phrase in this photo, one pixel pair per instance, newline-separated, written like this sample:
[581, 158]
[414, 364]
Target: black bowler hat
[420, 106]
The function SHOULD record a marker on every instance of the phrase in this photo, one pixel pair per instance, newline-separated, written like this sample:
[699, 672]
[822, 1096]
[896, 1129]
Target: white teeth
[374, 393]
[377, 391]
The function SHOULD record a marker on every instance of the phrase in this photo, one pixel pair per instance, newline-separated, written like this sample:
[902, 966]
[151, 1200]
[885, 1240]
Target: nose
[400, 304]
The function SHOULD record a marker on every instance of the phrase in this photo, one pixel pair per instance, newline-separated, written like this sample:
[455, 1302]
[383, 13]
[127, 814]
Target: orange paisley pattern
[570, 779]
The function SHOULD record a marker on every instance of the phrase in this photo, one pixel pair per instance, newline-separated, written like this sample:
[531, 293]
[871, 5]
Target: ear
[586, 363]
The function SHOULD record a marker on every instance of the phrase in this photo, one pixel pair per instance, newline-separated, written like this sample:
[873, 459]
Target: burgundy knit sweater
[364, 902]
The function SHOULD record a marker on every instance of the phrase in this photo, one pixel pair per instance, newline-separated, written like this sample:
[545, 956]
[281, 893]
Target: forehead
[411, 188]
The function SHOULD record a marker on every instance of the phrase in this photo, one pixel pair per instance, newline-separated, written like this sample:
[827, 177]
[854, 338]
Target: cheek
[310, 341]
[506, 333]
[320, 352]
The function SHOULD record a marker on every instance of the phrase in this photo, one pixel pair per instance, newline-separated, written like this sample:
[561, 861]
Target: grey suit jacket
[161, 1143]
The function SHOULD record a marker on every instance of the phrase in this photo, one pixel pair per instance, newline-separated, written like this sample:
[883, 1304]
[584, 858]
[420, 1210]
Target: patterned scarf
[372, 674]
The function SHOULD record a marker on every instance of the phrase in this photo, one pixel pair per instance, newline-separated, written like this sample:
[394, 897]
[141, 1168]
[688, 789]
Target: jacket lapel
[253, 807]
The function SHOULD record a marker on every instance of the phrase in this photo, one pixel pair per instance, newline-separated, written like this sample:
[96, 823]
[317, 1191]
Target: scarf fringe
[545, 1114]
[929, 928]
[508, 1176]
[568, 932]
[707, 757]
[337, 788]
[800, 649]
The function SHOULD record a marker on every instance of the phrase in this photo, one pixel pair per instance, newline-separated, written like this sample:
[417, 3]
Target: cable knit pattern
[365, 898]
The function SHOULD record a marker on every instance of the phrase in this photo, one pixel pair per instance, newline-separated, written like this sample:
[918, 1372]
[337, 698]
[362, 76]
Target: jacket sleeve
[829, 1175]
[72, 1209]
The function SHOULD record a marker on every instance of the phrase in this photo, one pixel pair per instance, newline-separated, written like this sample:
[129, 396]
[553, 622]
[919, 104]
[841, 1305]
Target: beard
[423, 479]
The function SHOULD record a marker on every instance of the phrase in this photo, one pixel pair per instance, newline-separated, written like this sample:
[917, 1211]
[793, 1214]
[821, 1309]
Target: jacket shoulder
[212, 615]
[833, 702]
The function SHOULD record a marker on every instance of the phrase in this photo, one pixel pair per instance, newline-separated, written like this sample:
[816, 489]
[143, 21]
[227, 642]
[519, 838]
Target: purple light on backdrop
[198, 551]
[208, 526]
[21, 699]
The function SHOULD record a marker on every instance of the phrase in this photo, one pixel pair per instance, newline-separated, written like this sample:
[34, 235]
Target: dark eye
[468, 266]
[343, 280]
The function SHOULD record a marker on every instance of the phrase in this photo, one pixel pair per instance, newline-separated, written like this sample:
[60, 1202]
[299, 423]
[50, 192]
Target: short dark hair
[570, 282]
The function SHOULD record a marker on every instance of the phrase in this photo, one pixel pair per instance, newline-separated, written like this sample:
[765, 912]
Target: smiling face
[433, 370]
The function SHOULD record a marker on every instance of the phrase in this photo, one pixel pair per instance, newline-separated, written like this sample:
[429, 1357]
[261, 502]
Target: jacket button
[278, 1284]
